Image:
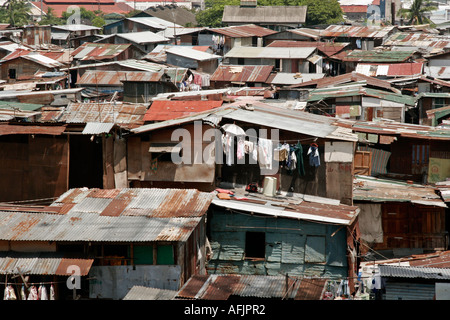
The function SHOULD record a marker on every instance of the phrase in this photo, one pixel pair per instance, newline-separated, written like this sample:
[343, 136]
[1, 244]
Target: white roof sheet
[143, 37]
[192, 53]
[270, 52]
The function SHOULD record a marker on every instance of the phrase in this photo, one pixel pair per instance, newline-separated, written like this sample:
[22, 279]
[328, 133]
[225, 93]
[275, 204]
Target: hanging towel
[33, 295]
[9, 293]
[42, 293]
[265, 153]
[240, 149]
[52, 293]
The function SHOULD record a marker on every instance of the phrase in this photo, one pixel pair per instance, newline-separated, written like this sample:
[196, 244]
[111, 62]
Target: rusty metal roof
[372, 189]
[357, 31]
[9, 129]
[109, 215]
[295, 206]
[392, 128]
[243, 31]
[222, 287]
[41, 263]
[99, 51]
[115, 78]
[161, 110]
[120, 113]
[236, 73]
[390, 70]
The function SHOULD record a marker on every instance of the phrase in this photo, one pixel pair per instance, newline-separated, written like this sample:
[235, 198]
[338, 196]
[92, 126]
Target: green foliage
[322, 12]
[98, 22]
[15, 12]
[417, 13]
[212, 15]
[50, 18]
[318, 12]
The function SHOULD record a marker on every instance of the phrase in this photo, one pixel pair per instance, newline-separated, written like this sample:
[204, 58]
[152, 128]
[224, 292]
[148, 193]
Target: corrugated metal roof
[171, 216]
[222, 287]
[161, 110]
[8, 129]
[143, 37]
[393, 128]
[374, 56]
[154, 22]
[43, 263]
[414, 272]
[192, 53]
[294, 78]
[265, 14]
[99, 51]
[348, 91]
[357, 31]
[243, 31]
[146, 293]
[236, 73]
[383, 190]
[266, 115]
[430, 42]
[97, 128]
[120, 113]
[327, 48]
[270, 52]
[116, 78]
[390, 70]
[437, 72]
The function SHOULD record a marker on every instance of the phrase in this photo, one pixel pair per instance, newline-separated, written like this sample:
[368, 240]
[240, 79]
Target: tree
[15, 12]
[50, 18]
[213, 13]
[318, 12]
[322, 12]
[417, 13]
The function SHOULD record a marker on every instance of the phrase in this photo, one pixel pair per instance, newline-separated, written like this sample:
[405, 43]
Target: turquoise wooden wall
[292, 247]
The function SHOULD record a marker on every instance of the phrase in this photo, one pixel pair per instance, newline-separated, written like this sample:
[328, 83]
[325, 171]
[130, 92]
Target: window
[12, 73]
[255, 245]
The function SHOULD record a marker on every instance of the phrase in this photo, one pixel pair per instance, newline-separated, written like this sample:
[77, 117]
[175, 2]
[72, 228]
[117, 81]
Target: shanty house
[235, 75]
[291, 60]
[205, 164]
[144, 40]
[114, 238]
[224, 39]
[412, 277]
[235, 286]
[397, 216]
[402, 151]
[192, 59]
[291, 234]
[106, 83]
[102, 52]
[273, 17]
[47, 157]
[23, 64]
[138, 24]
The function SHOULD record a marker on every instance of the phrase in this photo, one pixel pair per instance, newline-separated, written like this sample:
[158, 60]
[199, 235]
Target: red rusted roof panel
[167, 110]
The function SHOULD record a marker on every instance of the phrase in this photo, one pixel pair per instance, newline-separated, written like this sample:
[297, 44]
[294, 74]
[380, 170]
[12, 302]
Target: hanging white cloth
[33, 295]
[42, 293]
[52, 293]
[9, 293]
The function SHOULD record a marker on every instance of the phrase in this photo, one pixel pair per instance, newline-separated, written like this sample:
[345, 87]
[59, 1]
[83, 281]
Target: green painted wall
[292, 246]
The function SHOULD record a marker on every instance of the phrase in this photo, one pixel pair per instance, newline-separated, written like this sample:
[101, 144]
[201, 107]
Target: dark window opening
[12, 73]
[255, 245]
